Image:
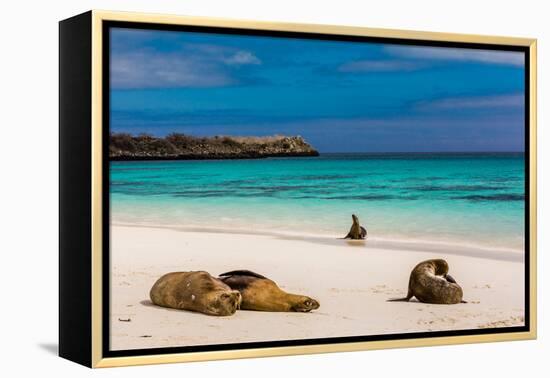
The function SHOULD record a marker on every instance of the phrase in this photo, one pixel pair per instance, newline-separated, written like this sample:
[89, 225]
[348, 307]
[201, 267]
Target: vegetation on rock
[177, 146]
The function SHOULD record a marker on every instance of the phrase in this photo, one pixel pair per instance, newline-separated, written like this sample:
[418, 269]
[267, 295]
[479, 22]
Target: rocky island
[175, 146]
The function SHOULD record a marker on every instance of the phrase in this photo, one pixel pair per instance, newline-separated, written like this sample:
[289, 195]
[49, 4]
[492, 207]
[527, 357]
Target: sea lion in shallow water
[430, 283]
[262, 294]
[195, 291]
[356, 232]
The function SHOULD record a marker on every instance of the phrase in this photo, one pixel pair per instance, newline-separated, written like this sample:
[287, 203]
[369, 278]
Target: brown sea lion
[195, 291]
[356, 232]
[262, 294]
[430, 283]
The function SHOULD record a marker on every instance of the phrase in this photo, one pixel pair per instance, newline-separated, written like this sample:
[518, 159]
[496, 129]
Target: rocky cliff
[185, 147]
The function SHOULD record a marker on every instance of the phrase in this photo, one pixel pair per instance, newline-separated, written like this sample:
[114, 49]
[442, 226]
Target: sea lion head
[355, 219]
[224, 303]
[441, 268]
[305, 304]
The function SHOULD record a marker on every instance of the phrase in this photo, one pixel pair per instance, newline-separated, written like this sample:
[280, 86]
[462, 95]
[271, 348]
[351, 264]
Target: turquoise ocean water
[474, 199]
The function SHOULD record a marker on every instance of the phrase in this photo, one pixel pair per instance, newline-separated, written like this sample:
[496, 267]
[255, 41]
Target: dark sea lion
[356, 232]
[195, 291]
[262, 294]
[430, 283]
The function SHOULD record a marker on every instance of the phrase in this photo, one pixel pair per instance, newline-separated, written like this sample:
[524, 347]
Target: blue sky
[340, 96]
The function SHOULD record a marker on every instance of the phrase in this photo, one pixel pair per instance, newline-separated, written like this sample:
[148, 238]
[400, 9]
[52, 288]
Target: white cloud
[151, 70]
[194, 65]
[380, 66]
[476, 102]
[513, 58]
[242, 58]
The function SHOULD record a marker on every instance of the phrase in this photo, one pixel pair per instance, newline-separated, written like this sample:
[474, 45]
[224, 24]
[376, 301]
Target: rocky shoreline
[127, 147]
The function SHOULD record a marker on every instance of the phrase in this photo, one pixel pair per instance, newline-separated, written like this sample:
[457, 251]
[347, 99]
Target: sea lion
[262, 294]
[430, 283]
[356, 232]
[195, 291]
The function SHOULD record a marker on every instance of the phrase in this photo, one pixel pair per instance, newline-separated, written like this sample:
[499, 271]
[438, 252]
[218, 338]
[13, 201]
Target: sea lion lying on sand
[262, 294]
[195, 291]
[430, 283]
[356, 232]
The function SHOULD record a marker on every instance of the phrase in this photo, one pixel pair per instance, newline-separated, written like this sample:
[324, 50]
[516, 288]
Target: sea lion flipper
[242, 272]
[406, 299]
[398, 299]
[450, 278]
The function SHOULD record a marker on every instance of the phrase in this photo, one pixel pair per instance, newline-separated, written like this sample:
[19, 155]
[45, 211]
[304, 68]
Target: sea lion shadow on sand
[147, 303]
[259, 293]
[430, 282]
[330, 241]
[356, 243]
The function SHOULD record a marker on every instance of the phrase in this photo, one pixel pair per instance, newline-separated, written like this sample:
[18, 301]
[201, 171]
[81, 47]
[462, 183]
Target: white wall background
[28, 186]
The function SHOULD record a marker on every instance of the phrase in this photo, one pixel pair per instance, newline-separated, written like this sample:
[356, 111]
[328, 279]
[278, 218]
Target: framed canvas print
[236, 189]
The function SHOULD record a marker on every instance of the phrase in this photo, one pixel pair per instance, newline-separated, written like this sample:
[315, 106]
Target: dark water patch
[161, 172]
[453, 188]
[317, 177]
[250, 183]
[421, 155]
[237, 182]
[255, 195]
[416, 179]
[322, 195]
[145, 177]
[254, 191]
[500, 180]
[494, 197]
[141, 185]
[126, 183]
[409, 198]
[372, 197]
[429, 178]
[130, 169]
[223, 194]
[144, 192]
[319, 193]
[276, 188]
[201, 193]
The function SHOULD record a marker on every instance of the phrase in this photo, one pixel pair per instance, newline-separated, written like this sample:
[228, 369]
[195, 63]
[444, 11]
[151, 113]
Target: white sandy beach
[351, 279]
